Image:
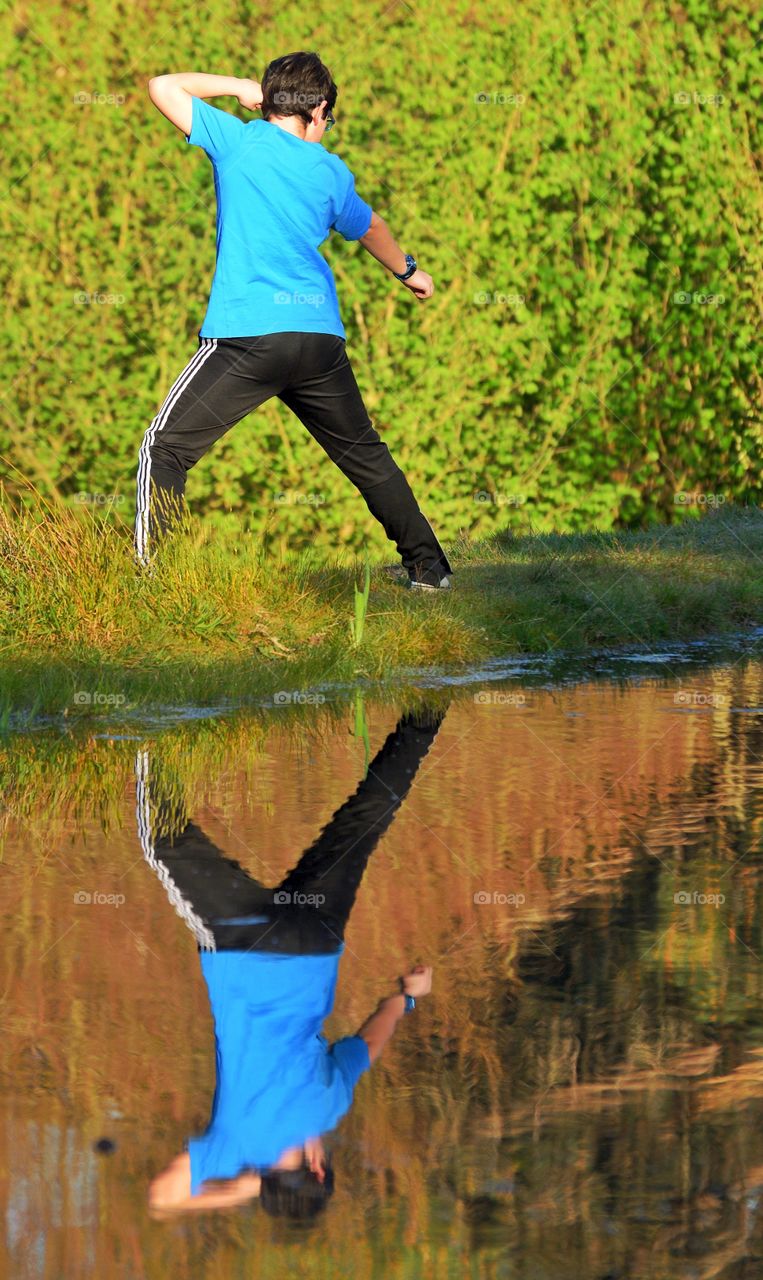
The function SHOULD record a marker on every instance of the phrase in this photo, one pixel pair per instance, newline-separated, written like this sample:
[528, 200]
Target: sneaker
[442, 585]
[399, 572]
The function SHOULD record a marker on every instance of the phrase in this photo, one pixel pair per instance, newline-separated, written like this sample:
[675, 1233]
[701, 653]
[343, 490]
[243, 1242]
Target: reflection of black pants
[311, 374]
[308, 911]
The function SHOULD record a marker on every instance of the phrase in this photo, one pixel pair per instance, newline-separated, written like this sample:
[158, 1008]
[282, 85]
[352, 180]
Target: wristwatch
[410, 267]
[410, 1003]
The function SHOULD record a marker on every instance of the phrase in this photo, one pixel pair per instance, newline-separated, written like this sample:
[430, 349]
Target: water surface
[580, 1096]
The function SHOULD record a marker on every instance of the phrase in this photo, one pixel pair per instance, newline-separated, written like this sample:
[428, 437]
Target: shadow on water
[200, 923]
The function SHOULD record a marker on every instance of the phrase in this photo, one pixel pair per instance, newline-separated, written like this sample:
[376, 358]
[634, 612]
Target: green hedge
[565, 171]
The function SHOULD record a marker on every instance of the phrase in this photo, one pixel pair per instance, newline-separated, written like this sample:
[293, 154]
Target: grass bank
[83, 632]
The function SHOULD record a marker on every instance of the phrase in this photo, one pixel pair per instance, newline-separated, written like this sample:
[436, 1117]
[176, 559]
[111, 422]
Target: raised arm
[382, 245]
[380, 1027]
[172, 94]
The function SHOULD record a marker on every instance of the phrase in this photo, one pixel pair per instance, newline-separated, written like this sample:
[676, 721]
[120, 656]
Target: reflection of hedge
[594, 161]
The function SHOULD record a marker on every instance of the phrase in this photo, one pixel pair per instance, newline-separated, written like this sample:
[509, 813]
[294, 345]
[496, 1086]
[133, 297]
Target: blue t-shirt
[279, 1082]
[278, 197]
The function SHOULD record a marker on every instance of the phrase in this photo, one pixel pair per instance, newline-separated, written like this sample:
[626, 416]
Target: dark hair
[295, 1193]
[295, 85]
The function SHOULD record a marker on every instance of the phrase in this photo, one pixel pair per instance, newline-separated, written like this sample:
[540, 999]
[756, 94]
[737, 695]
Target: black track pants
[311, 374]
[228, 909]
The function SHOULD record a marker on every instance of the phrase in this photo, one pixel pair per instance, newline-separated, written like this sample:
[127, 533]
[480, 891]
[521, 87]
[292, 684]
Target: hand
[250, 95]
[420, 284]
[419, 981]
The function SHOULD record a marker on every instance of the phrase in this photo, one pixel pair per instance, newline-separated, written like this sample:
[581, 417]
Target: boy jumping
[272, 325]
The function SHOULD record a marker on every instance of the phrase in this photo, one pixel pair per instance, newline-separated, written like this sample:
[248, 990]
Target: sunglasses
[330, 121]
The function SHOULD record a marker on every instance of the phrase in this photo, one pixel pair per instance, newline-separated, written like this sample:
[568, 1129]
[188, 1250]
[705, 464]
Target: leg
[226, 379]
[333, 865]
[325, 396]
[201, 883]
[226, 908]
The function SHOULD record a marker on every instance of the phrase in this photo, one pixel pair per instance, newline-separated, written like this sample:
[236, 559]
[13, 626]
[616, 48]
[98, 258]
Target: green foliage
[553, 381]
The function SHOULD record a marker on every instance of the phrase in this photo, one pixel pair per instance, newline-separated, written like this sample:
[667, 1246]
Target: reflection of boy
[299, 1182]
[270, 961]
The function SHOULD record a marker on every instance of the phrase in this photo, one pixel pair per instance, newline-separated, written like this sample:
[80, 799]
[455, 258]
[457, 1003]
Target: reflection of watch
[410, 267]
[410, 1003]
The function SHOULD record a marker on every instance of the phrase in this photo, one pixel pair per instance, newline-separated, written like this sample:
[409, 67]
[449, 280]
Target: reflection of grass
[215, 619]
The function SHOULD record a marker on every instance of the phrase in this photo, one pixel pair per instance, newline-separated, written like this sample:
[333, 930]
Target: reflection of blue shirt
[279, 1082]
[278, 197]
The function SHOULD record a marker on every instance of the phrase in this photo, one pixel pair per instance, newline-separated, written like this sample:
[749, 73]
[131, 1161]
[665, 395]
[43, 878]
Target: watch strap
[410, 266]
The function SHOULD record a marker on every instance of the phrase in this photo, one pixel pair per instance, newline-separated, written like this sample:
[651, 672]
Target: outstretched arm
[380, 1027]
[172, 94]
[382, 245]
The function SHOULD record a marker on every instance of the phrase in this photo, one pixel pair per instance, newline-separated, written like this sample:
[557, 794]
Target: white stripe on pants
[183, 907]
[143, 482]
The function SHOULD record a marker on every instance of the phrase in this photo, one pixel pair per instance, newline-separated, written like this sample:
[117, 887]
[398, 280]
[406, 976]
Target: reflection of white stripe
[143, 482]
[202, 934]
